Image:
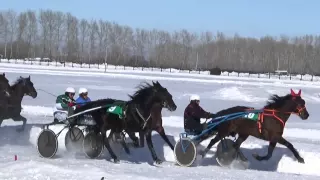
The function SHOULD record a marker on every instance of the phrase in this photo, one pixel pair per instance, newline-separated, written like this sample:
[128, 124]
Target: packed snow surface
[216, 93]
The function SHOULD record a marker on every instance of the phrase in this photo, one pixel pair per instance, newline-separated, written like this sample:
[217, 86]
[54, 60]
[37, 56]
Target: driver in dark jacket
[192, 115]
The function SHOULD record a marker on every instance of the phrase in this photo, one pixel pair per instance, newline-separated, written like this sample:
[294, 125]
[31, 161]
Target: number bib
[115, 110]
[252, 116]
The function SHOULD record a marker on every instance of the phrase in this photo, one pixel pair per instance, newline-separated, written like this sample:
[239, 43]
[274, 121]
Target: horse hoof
[116, 160]
[128, 152]
[256, 156]
[301, 160]
[158, 161]
[203, 153]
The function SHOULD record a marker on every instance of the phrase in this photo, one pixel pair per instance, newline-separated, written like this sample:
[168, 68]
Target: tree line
[63, 37]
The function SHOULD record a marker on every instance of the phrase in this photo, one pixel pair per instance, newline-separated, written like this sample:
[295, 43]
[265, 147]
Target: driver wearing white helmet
[83, 97]
[63, 102]
[192, 115]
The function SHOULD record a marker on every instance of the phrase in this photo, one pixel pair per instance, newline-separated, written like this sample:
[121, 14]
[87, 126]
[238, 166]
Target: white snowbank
[210, 79]
[76, 70]
[112, 68]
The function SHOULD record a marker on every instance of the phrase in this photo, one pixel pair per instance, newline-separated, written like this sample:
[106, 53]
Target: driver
[83, 97]
[63, 102]
[192, 115]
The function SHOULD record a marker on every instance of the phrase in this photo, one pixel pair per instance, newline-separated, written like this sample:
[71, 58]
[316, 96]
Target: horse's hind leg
[162, 133]
[123, 143]
[237, 145]
[103, 131]
[24, 122]
[134, 138]
[213, 141]
[292, 149]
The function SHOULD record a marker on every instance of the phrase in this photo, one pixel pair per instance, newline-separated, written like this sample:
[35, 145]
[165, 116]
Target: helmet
[195, 97]
[70, 90]
[83, 90]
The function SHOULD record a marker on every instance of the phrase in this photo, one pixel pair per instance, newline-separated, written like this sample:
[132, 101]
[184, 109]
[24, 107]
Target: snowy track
[304, 135]
[138, 165]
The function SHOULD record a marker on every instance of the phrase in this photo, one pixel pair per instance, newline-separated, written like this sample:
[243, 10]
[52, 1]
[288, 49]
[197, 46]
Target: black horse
[4, 87]
[268, 126]
[22, 87]
[142, 114]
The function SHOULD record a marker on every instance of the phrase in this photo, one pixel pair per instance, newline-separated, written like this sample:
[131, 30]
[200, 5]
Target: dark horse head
[148, 94]
[291, 104]
[24, 86]
[4, 85]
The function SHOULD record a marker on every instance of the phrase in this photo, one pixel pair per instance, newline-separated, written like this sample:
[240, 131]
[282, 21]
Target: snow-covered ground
[216, 93]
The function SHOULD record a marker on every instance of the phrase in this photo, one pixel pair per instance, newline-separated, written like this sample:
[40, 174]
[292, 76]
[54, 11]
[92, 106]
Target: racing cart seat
[60, 114]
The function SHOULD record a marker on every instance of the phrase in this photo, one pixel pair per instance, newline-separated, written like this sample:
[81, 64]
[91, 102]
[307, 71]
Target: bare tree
[59, 33]
[71, 48]
[83, 34]
[32, 30]
[4, 28]
[92, 40]
[11, 17]
[62, 36]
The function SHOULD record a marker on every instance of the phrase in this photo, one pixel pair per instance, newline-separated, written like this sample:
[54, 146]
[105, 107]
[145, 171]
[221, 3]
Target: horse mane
[17, 81]
[143, 91]
[3, 78]
[275, 101]
[93, 104]
[232, 110]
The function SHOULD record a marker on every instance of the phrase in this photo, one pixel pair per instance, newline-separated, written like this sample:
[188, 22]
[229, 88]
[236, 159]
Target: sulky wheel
[74, 139]
[47, 143]
[185, 152]
[92, 145]
[225, 153]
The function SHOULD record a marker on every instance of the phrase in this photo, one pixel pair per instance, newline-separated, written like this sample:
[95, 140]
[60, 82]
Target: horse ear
[154, 84]
[299, 93]
[4, 74]
[29, 77]
[292, 93]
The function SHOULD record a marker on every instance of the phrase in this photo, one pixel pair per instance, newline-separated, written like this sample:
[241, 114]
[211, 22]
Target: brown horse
[267, 124]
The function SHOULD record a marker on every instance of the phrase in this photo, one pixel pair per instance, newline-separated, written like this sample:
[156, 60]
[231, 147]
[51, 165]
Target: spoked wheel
[185, 152]
[93, 145]
[225, 153]
[74, 139]
[47, 143]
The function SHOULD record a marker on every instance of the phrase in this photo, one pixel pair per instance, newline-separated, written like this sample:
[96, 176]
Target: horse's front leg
[162, 133]
[271, 147]
[24, 122]
[151, 148]
[292, 149]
